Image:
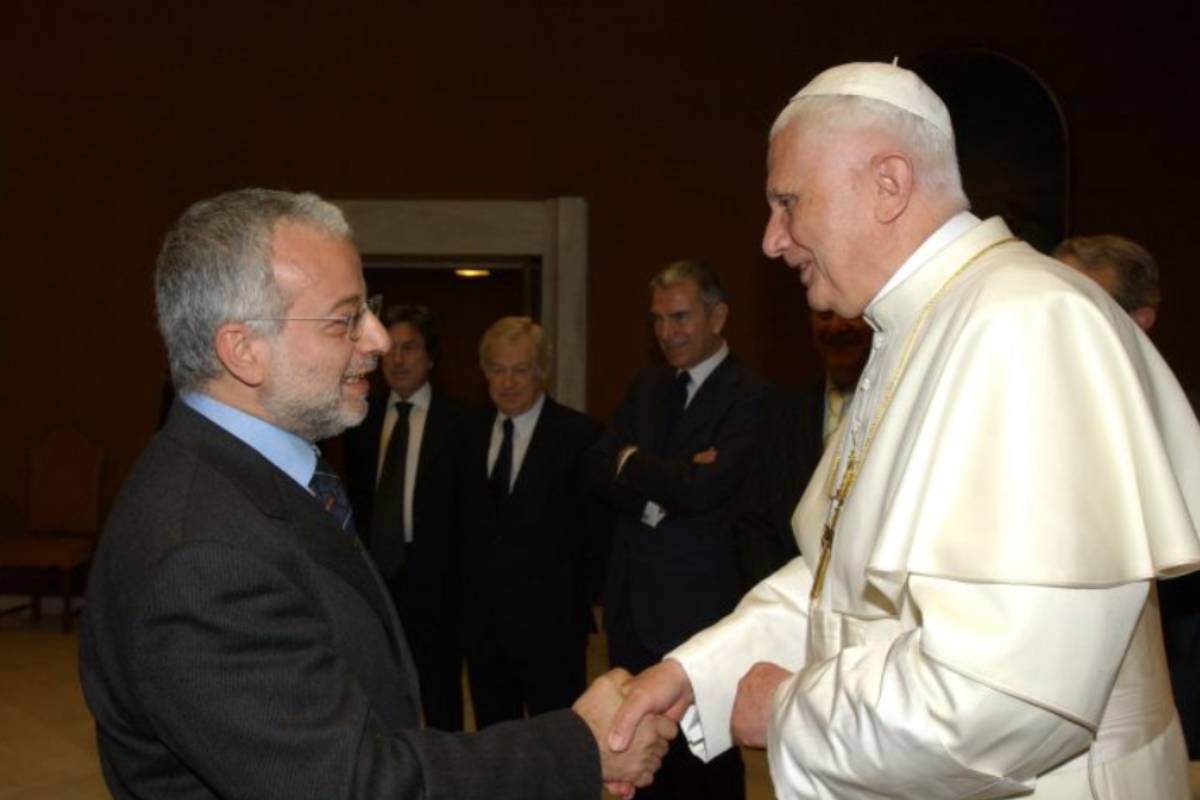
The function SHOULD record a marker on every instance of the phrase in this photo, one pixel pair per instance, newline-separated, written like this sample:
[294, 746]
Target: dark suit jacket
[789, 446]
[682, 575]
[429, 580]
[531, 568]
[236, 643]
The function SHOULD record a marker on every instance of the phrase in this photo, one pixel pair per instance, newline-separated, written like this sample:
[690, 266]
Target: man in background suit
[402, 480]
[672, 460]
[798, 424]
[237, 641]
[1122, 267]
[532, 537]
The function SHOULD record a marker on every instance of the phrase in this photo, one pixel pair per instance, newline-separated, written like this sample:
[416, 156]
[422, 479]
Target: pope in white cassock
[974, 613]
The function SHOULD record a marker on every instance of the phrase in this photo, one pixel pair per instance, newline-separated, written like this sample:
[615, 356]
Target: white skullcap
[886, 83]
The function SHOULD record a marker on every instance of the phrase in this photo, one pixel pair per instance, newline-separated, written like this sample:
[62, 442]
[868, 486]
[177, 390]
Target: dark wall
[117, 114]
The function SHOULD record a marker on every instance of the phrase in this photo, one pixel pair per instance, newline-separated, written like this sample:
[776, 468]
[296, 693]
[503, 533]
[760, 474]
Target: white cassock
[988, 625]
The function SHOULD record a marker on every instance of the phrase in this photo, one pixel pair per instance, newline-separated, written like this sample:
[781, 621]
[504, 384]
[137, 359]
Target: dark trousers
[434, 641]
[438, 658]
[507, 680]
[682, 776]
[1179, 601]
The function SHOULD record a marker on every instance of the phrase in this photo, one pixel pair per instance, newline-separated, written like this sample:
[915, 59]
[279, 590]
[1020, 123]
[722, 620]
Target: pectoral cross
[837, 502]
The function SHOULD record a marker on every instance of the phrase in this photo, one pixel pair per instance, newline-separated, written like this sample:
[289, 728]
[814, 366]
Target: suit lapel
[301, 517]
[657, 409]
[543, 437]
[434, 444]
[708, 398]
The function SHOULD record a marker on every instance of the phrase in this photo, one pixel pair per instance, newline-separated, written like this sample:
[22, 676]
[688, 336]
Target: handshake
[634, 719]
[631, 744]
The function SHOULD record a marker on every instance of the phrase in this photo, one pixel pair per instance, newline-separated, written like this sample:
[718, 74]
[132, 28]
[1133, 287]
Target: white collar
[420, 398]
[701, 371]
[523, 423]
[949, 230]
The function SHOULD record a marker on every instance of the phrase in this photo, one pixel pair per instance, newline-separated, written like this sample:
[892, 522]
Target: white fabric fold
[984, 629]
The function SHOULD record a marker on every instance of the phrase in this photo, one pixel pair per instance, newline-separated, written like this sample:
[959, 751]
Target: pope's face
[315, 383]
[819, 194]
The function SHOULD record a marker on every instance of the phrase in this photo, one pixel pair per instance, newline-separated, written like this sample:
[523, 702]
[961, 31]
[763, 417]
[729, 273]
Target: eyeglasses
[353, 321]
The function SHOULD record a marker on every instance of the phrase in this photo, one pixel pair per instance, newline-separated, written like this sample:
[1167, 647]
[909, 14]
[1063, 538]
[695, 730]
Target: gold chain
[854, 463]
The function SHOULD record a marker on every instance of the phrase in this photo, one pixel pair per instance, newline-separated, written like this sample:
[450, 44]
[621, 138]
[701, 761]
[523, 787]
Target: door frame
[554, 231]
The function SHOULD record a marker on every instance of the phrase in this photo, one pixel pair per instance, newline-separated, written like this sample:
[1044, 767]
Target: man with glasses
[237, 641]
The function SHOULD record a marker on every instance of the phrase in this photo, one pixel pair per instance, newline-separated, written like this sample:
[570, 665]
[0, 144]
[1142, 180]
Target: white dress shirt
[523, 425]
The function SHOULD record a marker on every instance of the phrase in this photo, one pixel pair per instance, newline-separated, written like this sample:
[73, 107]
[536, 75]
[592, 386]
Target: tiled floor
[47, 749]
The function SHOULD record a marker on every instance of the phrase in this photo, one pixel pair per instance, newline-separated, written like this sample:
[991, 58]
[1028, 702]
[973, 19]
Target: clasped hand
[634, 765]
[665, 690]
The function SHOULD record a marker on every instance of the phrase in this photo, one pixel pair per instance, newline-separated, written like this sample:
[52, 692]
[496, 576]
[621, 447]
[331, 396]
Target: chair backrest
[64, 485]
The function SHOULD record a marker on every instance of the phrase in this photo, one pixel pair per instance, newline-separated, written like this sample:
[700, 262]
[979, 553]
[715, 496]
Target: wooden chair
[64, 501]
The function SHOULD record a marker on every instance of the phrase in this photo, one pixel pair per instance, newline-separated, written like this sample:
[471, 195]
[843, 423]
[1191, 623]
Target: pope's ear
[892, 175]
[240, 350]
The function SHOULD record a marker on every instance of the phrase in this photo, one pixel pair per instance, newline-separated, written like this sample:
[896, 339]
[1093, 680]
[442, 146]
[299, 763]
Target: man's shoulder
[1018, 286]
[195, 474]
[739, 379]
[450, 410]
[569, 419]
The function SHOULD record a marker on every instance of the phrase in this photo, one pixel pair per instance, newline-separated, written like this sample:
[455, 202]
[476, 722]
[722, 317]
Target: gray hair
[1136, 269]
[931, 149]
[509, 329]
[699, 273]
[215, 267]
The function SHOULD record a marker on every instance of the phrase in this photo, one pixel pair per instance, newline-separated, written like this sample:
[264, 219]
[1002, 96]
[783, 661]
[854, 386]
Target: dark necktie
[677, 404]
[330, 493]
[387, 521]
[502, 470]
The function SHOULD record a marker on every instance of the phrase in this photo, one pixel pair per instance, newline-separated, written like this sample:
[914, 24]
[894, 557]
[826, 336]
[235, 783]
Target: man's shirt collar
[701, 371]
[420, 398]
[287, 451]
[524, 422]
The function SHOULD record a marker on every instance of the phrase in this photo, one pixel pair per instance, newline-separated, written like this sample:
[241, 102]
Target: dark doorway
[1011, 138]
[465, 306]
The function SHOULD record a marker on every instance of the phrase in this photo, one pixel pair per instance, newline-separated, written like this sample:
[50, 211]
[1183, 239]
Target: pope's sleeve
[770, 624]
[998, 684]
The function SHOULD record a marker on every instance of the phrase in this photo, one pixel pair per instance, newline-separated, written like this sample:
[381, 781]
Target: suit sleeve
[602, 456]
[593, 520]
[240, 677]
[768, 495]
[683, 487]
